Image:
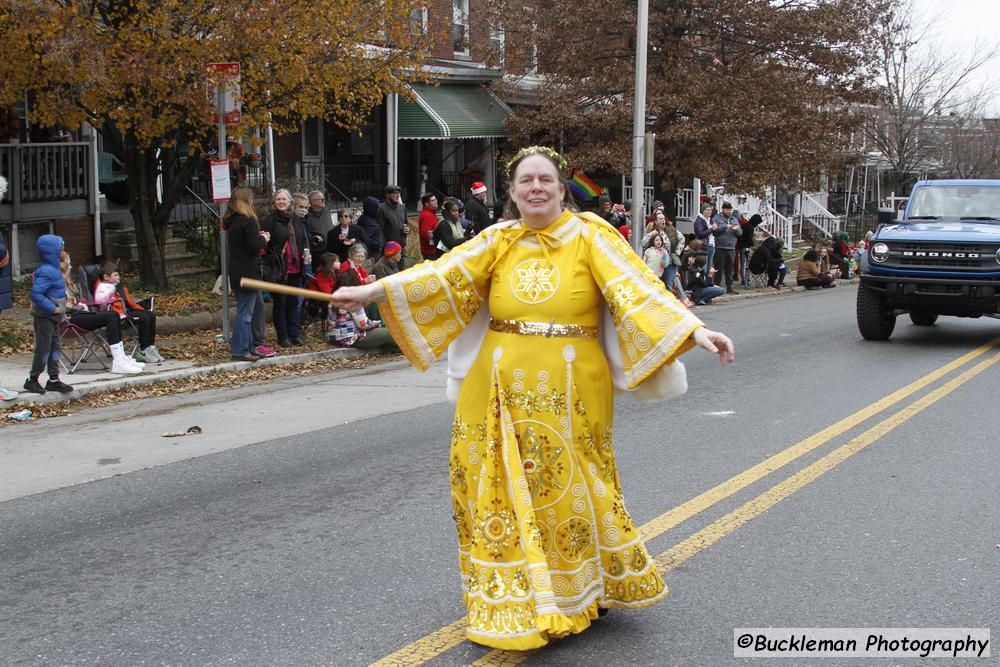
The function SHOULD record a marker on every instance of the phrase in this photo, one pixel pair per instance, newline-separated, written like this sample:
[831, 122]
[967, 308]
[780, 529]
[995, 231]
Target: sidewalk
[89, 378]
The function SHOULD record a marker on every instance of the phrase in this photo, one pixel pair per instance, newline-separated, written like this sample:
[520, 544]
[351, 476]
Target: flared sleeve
[430, 304]
[653, 328]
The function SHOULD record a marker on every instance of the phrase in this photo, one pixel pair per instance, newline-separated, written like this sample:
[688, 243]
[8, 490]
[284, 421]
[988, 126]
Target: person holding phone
[345, 234]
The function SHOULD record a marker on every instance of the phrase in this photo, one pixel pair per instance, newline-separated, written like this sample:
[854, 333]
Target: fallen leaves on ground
[169, 304]
[15, 338]
[213, 380]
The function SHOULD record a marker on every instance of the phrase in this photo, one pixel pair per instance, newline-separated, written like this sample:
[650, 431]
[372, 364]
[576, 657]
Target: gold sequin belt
[547, 329]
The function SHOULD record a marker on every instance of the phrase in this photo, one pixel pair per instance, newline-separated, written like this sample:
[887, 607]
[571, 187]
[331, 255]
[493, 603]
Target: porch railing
[647, 197]
[775, 224]
[687, 204]
[813, 212]
[45, 182]
[45, 172]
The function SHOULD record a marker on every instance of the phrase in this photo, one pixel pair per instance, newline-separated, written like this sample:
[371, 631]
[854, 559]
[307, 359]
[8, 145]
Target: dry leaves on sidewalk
[214, 380]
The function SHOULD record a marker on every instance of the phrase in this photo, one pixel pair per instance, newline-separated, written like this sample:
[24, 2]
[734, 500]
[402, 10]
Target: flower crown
[533, 150]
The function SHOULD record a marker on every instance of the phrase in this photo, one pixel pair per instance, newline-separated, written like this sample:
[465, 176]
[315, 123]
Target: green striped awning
[451, 112]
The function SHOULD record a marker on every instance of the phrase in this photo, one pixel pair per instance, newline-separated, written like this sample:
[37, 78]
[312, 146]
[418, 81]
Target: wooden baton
[250, 283]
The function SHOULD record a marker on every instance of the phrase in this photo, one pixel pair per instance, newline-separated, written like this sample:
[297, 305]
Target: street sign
[221, 185]
[230, 82]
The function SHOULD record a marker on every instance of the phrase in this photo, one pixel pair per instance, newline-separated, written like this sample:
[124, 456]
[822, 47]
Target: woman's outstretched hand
[716, 343]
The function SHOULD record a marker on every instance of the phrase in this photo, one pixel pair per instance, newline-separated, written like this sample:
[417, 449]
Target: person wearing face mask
[285, 262]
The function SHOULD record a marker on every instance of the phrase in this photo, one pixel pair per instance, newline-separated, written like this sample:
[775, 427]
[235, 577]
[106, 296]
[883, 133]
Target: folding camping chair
[756, 280]
[79, 344]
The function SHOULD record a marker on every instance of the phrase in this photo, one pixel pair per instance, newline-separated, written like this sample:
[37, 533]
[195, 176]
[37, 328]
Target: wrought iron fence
[357, 181]
[858, 224]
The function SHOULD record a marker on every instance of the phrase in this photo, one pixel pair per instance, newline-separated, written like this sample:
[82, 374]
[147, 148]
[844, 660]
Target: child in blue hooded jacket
[48, 308]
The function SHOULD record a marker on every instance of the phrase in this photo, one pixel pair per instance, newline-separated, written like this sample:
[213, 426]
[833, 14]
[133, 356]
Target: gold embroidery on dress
[542, 465]
[621, 300]
[497, 532]
[535, 280]
[468, 302]
[458, 475]
[573, 538]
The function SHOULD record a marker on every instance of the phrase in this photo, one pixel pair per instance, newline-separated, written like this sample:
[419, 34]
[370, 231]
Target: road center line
[725, 525]
[681, 513]
[444, 639]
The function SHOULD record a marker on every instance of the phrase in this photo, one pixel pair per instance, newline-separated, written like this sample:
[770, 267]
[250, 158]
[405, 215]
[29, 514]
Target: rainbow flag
[583, 188]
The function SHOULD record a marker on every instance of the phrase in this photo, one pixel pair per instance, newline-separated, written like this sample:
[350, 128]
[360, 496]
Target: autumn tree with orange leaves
[136, 71]
[749, 93]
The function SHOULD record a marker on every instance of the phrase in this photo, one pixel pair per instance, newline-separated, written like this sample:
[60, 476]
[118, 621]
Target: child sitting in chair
[107, 290]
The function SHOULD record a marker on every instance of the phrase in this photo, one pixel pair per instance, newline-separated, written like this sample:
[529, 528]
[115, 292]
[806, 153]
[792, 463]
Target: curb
[728, 298]
[150, 378]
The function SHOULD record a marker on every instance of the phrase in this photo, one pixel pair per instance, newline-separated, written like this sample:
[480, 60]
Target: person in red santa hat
[475, 208]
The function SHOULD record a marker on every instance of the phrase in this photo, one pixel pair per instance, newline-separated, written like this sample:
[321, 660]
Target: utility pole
[639, 124]
[220, 102]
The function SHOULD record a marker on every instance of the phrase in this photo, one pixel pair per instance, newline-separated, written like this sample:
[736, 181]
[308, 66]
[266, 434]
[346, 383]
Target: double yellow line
[451, 635]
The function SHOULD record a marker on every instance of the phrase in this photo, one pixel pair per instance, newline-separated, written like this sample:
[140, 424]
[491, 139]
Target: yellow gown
[544, 536]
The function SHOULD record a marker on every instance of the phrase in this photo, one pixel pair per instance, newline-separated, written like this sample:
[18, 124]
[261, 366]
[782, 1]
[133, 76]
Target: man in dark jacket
[727, 232]
[369, 225]
[475, 208]
[318, 222]
[391, 217]
[6, 298]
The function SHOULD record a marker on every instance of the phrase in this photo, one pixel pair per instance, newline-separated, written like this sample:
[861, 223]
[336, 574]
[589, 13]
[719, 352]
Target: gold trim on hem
[547, 329]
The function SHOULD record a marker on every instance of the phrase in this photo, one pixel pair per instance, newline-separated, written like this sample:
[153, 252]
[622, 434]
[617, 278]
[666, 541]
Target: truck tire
[875, 321]
[923, 319]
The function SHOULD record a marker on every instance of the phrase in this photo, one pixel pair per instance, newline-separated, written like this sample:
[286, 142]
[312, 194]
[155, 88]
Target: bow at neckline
[511, 235]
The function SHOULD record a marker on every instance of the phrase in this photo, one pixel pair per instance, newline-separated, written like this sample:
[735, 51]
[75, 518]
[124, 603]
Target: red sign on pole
[230, 82]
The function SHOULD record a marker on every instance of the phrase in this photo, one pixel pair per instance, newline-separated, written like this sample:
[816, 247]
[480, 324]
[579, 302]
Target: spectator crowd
[301, 243]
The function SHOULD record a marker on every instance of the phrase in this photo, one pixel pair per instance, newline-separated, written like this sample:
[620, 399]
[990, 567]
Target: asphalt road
[310, 524]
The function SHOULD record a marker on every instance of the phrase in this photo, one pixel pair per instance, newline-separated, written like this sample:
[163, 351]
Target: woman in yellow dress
[545, 315]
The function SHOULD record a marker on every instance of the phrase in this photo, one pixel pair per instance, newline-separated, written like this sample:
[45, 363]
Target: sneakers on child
[56, 384]
[156, 353]
[125, 366]
[264, 351]
[32, 385]
[7, 394]
[147, 355]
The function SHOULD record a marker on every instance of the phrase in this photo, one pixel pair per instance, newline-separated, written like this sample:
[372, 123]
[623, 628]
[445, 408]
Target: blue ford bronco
[941, 258]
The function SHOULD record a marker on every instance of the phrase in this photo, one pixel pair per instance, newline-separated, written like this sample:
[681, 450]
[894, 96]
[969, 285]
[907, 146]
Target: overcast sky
[959, 26]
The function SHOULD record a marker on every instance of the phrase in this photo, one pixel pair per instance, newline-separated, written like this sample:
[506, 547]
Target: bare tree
[925, 101]
[969, 148]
